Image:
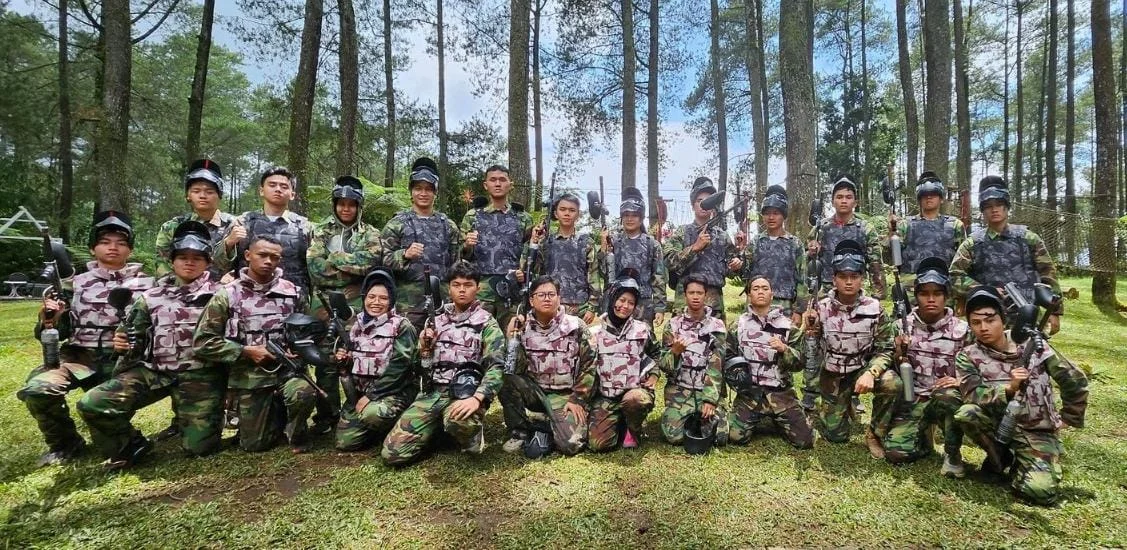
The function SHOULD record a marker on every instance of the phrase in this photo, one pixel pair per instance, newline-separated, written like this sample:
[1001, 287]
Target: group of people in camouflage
[558, 325]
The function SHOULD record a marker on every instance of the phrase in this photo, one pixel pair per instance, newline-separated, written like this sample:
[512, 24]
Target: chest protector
[932, 350]
[635, 254]
[832, 234]
[753, 334]
[258, 314]
[434, 233]
[774, 259]
[373, 341]
[567, 264]
[93, 319]
[458, 340]
[500, 237]
[699, 337]
[1005, 259]
[927, 239]
[848, 333]
[1038, 412]
[620, 363]
[710, 265]
[294, 245]
[174, 311]
[553, 353]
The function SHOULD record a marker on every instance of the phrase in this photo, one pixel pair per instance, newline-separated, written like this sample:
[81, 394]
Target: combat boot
[517, 439]
[477, 442]
[876, 449]
[130, 454]
[62, 454]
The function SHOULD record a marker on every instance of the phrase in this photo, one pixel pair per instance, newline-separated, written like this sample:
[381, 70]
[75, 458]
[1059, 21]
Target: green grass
[765, 494]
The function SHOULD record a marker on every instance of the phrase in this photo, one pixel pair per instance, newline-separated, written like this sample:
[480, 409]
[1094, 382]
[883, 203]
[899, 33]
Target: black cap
[348, 187]
[775, 197]
[929, 183]
[701, 185]
[111, 221]
[993, 188]
[425, 170]
[846, 182]
[632, 201]
[849, 255]
[384, 279]
[205, 170]
[932, 270]
[985, 296]
[191, 236]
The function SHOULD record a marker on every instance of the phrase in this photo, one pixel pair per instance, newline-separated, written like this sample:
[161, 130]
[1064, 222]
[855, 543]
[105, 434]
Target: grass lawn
[764, 494]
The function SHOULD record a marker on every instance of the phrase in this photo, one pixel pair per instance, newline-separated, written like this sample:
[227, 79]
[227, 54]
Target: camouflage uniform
[923, 238]
[993, 259]
[709, 265]
[984, 374]
[292, 230]
[554, 367]
[769, 404]
[384, 353]
[853, 337]
[573, 261]
[338, 259]
[218, 226]
[168, 314]
[693, 378]
[624, 358]
[246, 313]
[931, 352]
[643, 254]
[86, 351]
[783, 261]
[470, 335]
[442, 248]
[501, 248]
[829, 233]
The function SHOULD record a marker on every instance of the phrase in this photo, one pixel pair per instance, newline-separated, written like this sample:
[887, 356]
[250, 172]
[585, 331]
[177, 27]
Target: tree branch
[163, 18]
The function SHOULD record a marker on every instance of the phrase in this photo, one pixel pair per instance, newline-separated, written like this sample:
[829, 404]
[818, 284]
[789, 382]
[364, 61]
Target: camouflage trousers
[45, 392]
[1036, 472]
[610, 416]
[713, 298]
[770, 411]
[197, 402]
[360, 429]
[680, 404]
[904, 427]
[425, 418]
[813, 367]
[265, 413]
[835, 414]
[520, 394]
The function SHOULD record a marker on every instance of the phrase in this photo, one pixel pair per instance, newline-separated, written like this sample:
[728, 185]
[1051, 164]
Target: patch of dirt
[249, 496]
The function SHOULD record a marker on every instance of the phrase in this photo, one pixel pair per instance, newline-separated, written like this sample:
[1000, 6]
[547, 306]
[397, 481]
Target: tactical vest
[832, 234]
[927, 239]
[620, 363]
[258, 315]
[566, 262]
[698, 335]
[174, 311]
[499, 243]
[753, 335]
[294, 245]
[932, 350]
[553, 353]
[1005, 259]
[709, 265]
[373, 341]
[637, 254]
[93, 319]
[434, 233]
[848, 333]
[217, 233]
[774, 259]
[1038, 412]
[457, 340]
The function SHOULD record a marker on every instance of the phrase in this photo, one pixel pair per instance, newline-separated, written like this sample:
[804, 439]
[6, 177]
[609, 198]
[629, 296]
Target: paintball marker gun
[1026, 330]
[901, 306]
[56, 267]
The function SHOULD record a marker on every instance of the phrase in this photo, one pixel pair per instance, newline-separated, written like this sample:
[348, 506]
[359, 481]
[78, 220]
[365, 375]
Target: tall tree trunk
[1070, 135]
[443, 136]
[866, 102]
[629, 98]
[1123, 103]
[962, 102]
[911, 117]
[1018, 161]
[1107, 150]
[1039, 140]
[199, 84]
[304, 93]
[519, 165]
[653, 152]
[1049, 231]
[389, 97]
[937, 117]
[538, 137]
[718, 98]
[66, 156]
[113, 131]
[349, 88]
[796, 67]
[756, 88]
[1006, 100]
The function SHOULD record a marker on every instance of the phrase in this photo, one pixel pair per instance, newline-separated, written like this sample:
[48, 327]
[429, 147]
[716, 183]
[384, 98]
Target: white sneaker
[953, 467]
[477, 442]
[513, 445]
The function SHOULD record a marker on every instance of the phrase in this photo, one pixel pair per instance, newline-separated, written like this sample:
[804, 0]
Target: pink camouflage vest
[932, 349]
[848, 332]
[621, 364]
[753, 334]
[458, 339]
[1039, 412]
[553, 353]
[373, 340]
[174, 311]
[258, 311]
[93, 319]
[698, 335]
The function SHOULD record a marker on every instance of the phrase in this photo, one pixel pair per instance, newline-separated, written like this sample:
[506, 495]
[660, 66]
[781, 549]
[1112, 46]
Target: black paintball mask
[424, 170]
[993, 188]
[191, 236]
[111, 221]
[466, 380]
[303, 333]
[848, 255]
[700, 434]
[933, 270]
[348, 187]
[205, 170]
[776, 197]
[736, 374]
[930, 184]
